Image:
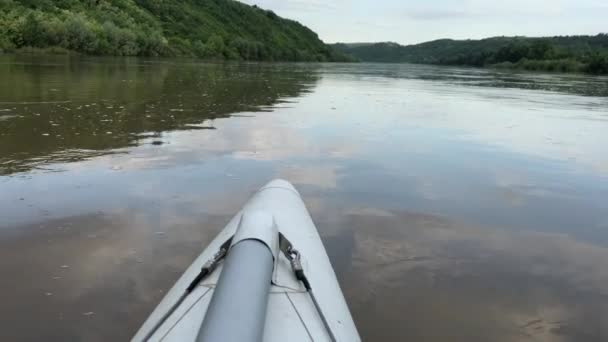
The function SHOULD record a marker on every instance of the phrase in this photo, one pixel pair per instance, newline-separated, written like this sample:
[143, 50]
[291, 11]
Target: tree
[79, 36]
[216, 29]
[200, 49]
[541, 49]
[513, 53]
[598, 64]
[216, 46]
[32, 31]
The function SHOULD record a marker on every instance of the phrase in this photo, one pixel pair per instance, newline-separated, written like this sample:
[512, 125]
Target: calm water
[456, 204]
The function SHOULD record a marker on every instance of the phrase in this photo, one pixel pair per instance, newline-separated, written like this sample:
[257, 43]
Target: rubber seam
[291, 289]
[300, 317]
[184, 314]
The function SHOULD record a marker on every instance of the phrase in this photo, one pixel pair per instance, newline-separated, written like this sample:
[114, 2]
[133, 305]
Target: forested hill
[568, 53]
[215, 29]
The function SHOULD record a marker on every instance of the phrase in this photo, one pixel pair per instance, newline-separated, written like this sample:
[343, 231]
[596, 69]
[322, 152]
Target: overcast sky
[414, 21]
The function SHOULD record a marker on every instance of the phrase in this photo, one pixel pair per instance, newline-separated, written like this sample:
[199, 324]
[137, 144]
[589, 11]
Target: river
[456, 204]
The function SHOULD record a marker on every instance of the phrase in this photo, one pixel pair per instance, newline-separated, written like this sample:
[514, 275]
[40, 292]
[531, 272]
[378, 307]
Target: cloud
[438, 14]
[294, 5]
[480, 10]
[322, 176]
[408, 22]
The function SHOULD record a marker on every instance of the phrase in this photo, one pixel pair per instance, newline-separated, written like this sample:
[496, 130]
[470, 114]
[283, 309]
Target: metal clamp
[294, 257]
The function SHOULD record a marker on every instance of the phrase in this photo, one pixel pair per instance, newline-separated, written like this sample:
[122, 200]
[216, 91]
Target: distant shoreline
[568, 54]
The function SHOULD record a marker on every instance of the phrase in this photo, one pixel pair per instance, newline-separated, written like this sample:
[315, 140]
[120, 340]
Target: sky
[410, 21]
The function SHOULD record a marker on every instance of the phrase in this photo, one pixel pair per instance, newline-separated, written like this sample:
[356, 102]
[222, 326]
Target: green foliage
[598, 64]
[559, 54]
[216, 47]
[32, 30]
[79, 35]
[549, 65]
[215, 29]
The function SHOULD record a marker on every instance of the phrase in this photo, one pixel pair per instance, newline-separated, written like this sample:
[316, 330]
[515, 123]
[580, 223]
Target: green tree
[216, 46]
[598, 64]
[55, 31]
[200, 49]
[32, 31]
[541, 49]
[79, 36]
[218, 29]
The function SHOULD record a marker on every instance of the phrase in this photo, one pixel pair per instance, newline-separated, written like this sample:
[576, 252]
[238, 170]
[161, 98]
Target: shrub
[79, 35]
[598, 64]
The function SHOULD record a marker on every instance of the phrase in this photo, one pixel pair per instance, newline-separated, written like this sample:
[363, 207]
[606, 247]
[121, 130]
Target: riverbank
[586, 54]
[567, 65]
[222, 30]
[54, 50]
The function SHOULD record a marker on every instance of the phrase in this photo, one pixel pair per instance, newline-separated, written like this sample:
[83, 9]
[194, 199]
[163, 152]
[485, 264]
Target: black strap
[206, 270]
[210, 265]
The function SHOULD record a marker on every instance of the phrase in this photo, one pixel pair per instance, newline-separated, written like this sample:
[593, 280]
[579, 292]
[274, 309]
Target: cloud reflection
[420, 277]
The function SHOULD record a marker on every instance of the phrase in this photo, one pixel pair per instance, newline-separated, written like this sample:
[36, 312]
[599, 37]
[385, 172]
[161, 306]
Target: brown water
[455, 204]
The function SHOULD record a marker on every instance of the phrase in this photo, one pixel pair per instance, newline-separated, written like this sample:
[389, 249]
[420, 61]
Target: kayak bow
[265, 277]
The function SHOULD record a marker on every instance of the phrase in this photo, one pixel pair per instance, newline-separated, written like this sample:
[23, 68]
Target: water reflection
[92, 277]
[456, 204]
[473, 77]
[72, 109]
[439, 281]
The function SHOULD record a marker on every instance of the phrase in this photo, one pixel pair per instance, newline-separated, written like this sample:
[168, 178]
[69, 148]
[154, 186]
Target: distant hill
[216, 29]
[567, 53]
